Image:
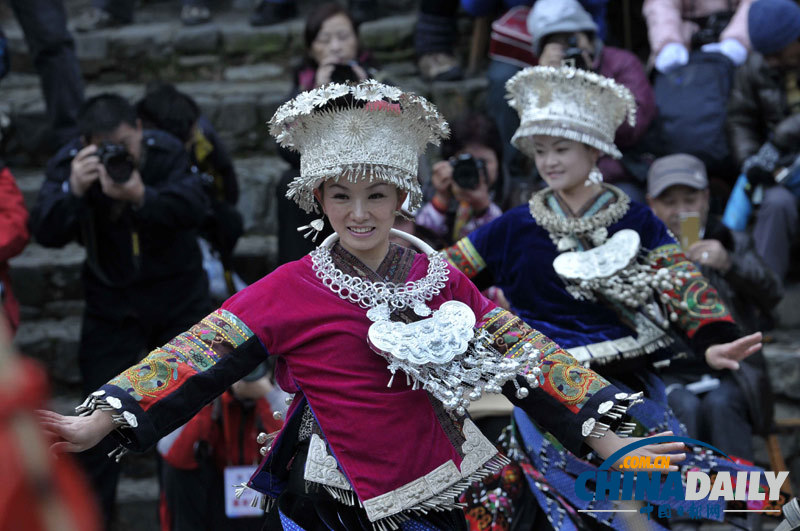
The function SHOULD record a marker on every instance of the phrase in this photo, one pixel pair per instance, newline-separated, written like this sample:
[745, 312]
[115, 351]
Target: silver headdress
[365, 131]
[569, 103]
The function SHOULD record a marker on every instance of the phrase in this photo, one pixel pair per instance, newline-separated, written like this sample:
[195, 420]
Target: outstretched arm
[165, 389]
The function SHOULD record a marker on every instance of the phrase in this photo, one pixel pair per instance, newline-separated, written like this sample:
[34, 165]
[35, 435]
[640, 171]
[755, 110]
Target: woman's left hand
[728, 355]
[609, 443]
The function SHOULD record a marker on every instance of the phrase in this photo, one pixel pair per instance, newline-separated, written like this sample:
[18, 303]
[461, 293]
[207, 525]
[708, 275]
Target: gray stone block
[150, 41]
[198, 61]
[783, 363]
[40, 275]
[54, 342]
[258, 179]
[242, 39]
[195, 40]
[91, 47]
[29, 183]
[254, 72]
[388, 33]
[787, 310]
[64, 309]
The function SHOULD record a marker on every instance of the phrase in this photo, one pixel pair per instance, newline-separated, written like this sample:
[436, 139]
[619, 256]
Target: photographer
[128, 196]
[467, 182]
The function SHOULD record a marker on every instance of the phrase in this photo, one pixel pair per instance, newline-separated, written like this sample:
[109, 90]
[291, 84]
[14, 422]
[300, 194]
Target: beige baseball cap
[678, 169]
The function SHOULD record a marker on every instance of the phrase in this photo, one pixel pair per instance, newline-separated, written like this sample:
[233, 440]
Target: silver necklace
[565, 231]
[382, 298]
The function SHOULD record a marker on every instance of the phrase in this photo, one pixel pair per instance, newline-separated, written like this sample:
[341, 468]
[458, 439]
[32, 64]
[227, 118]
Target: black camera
[118, 162]
[467, 171]
[342, 73]
[711, 27]
[573, 55]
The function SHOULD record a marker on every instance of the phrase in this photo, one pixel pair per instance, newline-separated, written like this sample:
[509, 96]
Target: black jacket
[748, 288]
[165, 226]
[756, 107]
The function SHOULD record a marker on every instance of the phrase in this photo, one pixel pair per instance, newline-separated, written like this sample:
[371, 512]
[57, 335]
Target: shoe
[268, 13]
[439, 67]
[194, 15]
[95, 19]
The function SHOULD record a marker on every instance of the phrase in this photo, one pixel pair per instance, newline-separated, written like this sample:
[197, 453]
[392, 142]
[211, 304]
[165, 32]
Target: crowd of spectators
[150, 190]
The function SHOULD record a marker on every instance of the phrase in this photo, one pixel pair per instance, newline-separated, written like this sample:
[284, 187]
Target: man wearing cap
[718, 407]
[764, 99]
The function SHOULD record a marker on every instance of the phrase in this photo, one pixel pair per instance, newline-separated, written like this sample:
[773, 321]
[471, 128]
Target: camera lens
[117, 161]
[467, 170]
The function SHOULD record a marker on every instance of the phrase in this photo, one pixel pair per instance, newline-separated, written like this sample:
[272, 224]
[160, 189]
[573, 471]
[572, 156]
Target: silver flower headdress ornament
[362, 131]
[570, 103]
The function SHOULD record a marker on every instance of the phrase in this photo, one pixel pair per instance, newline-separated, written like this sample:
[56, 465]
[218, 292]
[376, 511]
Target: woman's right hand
[76, 434]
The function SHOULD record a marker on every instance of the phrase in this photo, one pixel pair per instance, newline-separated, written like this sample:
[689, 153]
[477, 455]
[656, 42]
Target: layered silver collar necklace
[382, 298]
[565, 231]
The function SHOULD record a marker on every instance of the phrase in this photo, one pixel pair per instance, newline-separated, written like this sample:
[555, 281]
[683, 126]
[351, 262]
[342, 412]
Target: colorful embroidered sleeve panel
[562, 376]
[465, 257]
[695, 302]
[176, 380]
[571, 401]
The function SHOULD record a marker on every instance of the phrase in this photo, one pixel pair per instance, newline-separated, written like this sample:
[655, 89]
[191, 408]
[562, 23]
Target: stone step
[787, 310]
[165, 49]
[238, 108]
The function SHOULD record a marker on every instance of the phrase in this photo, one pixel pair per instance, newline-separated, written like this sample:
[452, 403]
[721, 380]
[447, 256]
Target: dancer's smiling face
[361, 213]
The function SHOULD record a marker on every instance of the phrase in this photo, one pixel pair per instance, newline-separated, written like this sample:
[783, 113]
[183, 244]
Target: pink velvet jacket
[395, 446]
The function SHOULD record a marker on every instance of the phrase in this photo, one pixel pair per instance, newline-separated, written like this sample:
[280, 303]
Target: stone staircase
[239, 75]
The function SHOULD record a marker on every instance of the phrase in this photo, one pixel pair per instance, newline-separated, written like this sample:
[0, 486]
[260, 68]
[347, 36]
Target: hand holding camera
[336, 71]
[464, 177]
[130, 190]
[113, 166]
[84, 170]
[575, 50]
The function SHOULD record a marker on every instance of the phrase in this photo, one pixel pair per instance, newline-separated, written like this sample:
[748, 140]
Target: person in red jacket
[221, 436]
[14, 236]
[38, 492]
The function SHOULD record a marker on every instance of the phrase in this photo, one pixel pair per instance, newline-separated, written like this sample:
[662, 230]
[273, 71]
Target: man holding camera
[128, 195]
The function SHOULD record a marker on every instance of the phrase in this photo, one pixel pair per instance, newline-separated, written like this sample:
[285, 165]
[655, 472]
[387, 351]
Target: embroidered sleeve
[174, 381]
[465, 257]
[694, 303]
[568, 400]
[559, 375]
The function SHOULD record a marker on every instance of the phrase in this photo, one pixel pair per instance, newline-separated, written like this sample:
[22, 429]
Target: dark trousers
[718, 417]
[112, 341]
[436, 29]
[196, 500]
[52, 50]
[776, 228]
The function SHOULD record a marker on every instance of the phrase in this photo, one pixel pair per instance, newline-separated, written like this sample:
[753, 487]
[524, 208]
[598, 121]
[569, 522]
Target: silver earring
[315, 227]
[595, 176]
